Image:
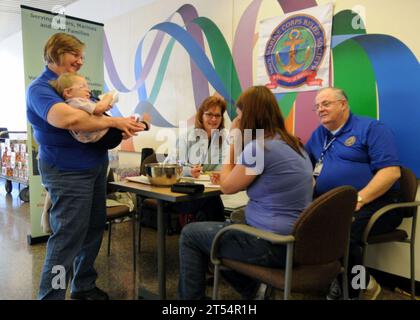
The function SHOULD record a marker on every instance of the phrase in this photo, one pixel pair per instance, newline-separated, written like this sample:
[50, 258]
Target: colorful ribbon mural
[379, 72]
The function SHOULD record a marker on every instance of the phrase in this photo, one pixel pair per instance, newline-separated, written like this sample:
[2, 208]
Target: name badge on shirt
[317, 169]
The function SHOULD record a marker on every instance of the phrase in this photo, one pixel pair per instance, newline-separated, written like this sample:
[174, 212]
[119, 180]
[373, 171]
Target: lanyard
[326, 147]
[319, 165]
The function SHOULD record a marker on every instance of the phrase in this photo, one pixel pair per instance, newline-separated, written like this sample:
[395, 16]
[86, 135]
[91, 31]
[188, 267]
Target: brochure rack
[15, 162]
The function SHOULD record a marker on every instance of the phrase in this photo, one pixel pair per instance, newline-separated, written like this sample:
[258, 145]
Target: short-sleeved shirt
[56, 146]
[360, 148]
[195, 148]
[88, 106]
[283, 188]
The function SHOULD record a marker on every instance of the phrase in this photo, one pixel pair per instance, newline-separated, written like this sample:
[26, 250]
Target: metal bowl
[163, 175]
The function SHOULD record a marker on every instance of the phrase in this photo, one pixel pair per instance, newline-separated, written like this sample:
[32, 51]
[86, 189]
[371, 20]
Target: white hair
[339, 93]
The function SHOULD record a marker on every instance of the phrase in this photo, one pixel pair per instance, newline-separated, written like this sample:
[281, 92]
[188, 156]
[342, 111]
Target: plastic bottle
[113, 157]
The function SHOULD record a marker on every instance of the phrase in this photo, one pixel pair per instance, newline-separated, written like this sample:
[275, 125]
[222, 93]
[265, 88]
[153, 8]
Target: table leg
[161, 225]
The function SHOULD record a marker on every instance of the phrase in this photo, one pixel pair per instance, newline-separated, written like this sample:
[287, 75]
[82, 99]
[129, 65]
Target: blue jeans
[77, 219]
[194, 253]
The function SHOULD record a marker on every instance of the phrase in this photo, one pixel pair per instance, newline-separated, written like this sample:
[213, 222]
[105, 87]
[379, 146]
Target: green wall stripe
[161, 72]
[286, 103]
[222, 60]
[354, 73]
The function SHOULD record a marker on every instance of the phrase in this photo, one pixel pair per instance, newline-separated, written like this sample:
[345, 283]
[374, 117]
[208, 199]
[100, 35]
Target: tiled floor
[20, 263]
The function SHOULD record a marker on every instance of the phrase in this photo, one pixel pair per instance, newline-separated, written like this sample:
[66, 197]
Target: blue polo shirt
[361, 147]
[56, 146]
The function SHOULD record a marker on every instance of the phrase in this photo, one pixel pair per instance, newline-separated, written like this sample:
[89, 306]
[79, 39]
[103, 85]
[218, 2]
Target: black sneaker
[335, 292]
[93, 294]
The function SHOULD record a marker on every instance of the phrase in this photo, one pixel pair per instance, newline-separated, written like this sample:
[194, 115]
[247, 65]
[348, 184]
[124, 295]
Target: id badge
[317, 169]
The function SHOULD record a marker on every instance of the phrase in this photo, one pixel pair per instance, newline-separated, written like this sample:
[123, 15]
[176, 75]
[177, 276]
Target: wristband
[146, 124]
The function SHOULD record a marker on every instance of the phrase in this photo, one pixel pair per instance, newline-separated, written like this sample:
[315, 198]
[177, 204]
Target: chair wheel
[24, 194]
[8, 186]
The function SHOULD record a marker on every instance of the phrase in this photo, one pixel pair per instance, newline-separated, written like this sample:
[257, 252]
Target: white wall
[103, 10]
[12, 84]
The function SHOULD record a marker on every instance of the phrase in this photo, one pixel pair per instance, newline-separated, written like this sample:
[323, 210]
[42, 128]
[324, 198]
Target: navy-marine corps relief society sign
[294, 50]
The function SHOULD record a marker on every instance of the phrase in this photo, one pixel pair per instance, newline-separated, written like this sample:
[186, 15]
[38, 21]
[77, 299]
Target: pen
[190, 165]
[187, 164]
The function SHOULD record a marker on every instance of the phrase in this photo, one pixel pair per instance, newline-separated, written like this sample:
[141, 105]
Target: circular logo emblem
[350, 141]
[294, 52]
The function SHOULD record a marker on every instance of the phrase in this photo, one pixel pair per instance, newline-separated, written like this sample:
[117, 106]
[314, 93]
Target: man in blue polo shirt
[358, 151]
[73, 172]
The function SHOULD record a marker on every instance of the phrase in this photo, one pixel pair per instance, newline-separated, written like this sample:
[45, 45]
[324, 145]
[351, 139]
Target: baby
[75, 91]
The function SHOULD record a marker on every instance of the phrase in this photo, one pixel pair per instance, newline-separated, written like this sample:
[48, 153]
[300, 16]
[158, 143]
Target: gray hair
[339, 93]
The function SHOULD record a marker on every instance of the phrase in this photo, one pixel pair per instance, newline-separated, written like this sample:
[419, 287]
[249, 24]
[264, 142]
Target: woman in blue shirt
[73, 172]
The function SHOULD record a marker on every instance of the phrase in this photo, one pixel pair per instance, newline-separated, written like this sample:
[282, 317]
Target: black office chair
[317, 248]
[145, 152]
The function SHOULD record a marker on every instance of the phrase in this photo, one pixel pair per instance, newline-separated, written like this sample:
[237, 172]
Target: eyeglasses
[77, 56]
[324, 104]
[213, 115]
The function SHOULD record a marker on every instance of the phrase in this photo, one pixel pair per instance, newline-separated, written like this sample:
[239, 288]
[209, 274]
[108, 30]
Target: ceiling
[10, 21]
[95, 10]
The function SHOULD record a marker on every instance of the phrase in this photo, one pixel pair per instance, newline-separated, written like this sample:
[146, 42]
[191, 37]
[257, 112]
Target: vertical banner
[294, 50]
[37, 26]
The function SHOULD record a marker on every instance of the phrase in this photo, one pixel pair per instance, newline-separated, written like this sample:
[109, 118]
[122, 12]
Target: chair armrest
[266, 235]
[381, 212]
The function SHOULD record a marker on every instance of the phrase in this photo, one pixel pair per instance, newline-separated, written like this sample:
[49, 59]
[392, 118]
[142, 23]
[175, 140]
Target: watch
[146, 125]
[359, 198]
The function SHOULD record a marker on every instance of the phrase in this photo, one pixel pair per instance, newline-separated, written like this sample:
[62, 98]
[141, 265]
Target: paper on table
[202, 177]
[208, 184]
[139, 179]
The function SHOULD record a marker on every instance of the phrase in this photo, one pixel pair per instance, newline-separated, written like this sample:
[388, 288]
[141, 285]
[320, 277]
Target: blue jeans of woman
[194, 252]
[77, 219]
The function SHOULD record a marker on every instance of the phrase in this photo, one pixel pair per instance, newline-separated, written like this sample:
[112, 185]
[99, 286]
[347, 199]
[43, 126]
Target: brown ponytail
[260, 111]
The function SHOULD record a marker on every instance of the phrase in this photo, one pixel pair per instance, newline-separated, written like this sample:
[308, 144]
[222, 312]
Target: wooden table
[161, 194]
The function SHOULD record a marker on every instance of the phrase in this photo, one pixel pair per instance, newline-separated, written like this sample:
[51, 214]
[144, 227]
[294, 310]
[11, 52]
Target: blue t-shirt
[283, 188]
[357, 152]
[56, 146]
